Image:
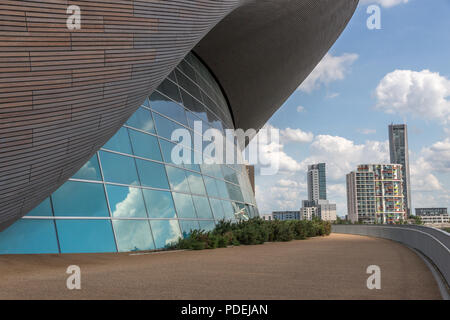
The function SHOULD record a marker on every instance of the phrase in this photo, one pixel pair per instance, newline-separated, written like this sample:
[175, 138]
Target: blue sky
[369, 79]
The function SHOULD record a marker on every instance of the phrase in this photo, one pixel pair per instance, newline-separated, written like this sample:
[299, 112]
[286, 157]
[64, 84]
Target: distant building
[398, 147]
[317, 204]
[267, 216]
[286, 215]
[375, 194]
[326, 210]
[308, 213]
[321, 209]
[433, 215]
[317, 182]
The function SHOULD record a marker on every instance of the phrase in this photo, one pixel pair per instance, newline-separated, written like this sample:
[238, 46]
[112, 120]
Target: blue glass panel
[184, 205]
[217, 209]
[170, 89]
[207, 169]
[44, 209]
[196, 183]
[188, 85]
[159, 204]
[142, 119]
[187, 70]
[212, 170]
[28, 236]
[223, 191]
[120, 142]
[203, 208]
[145, 145]
[85, 236]
[165, 127]
[207, 225]
[195, 106]
[211, 187]
[166, 149]
[177, 179]
[194, 167]
[146, 103]
[167, 107]
[228, 209]
[126, 202]
[190, 162]
[229, 174]
[187, 226]
[235, 192]
[249, 211]
[133, 235]
[90, 170]
[171, 76]
[80, 199]
[192, 118]
[165, 232]
[152, 174]
[118, 168]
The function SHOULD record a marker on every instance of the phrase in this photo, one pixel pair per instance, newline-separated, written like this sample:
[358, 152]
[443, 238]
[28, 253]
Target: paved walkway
[331, 267]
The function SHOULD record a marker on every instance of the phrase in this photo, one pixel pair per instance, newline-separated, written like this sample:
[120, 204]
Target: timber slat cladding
[64, 93]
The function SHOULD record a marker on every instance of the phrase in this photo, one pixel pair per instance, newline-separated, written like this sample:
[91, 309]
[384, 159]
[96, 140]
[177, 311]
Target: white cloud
[423, 94]
[296, 135]
[271, 152]
[385, 3]
[131, 206]
[367, 131]
[342, 155]
[337, 190]
[301, 109]
[438, 155]
[287, 183]
[332, 95]
[431, 160]
[331, 68]
[272, 197]
[274, 153]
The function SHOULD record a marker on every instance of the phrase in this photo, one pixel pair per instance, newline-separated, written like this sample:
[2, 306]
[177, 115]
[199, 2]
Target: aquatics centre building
[87, 114]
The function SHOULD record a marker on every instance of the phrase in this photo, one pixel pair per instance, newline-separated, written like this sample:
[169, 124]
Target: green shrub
[252, 232]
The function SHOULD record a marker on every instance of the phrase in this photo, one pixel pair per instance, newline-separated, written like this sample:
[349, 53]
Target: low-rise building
[433, 215]
[308, 213]
[321, 209]
[267, 217]
[286, 215]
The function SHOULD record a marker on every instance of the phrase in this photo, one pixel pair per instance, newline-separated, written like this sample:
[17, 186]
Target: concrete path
[331, 267]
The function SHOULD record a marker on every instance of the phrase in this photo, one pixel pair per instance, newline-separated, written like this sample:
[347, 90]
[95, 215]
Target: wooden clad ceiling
[64, 93]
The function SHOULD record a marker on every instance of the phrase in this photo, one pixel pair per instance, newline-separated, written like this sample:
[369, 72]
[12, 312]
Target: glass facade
[131, 195]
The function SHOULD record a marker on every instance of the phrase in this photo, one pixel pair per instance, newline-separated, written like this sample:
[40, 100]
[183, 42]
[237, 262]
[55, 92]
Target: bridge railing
[433, 243]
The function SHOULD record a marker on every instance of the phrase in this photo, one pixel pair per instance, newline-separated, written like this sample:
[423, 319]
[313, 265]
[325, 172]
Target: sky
[368, 80]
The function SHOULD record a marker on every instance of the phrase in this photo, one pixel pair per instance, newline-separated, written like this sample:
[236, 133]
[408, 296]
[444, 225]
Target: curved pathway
[331, 267]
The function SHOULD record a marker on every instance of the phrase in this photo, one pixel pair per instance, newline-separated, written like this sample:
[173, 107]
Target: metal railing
[433, 243]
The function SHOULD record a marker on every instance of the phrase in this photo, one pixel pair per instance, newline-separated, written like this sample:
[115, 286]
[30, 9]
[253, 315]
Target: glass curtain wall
[131, 196]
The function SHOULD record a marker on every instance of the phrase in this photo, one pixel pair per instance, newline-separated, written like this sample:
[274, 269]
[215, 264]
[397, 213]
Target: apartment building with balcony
[375, 194]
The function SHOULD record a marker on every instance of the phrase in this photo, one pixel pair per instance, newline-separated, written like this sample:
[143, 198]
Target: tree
[417, 220]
